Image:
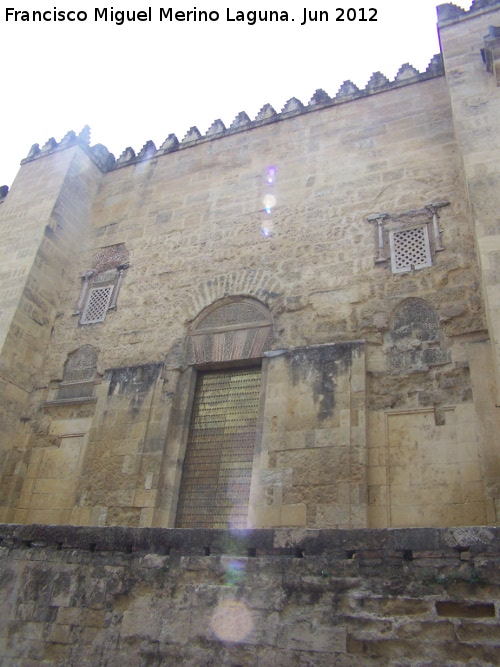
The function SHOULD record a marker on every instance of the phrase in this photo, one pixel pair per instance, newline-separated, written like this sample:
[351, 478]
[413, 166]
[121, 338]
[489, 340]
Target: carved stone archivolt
[417, 340]
[79, 374]
[81, 365]
[239, 328]
[110, 257]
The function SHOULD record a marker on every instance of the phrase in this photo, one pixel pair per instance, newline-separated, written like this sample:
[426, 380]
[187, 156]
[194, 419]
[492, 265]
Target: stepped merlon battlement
[447, 13]
[450, 13]
[347, 92]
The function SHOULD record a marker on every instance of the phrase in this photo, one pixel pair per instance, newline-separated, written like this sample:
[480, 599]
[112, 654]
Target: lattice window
[99, 293]
[410, 249]
[97, 304]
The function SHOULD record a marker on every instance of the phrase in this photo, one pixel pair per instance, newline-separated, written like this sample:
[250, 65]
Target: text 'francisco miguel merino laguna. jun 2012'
[170, 14]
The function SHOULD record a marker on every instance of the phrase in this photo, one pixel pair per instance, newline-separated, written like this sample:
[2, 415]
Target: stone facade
[267, 598]
[348, 248]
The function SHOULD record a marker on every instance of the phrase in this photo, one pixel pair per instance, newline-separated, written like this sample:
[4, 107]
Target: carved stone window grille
[97, 304]
[410, 249]
[101, 285]
[408, 239]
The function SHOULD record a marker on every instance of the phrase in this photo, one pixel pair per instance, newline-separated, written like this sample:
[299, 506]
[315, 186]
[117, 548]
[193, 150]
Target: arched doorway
[226, 343]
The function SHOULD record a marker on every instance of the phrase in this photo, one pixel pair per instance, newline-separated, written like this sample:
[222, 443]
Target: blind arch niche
[235, 329]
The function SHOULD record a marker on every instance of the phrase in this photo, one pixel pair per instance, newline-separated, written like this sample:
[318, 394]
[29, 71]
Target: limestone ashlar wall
[192, 222]
[119, 483]
[100, 460]
[312, 459]
[280, 213]
[475, 99]
[149, 597]
[44, 224]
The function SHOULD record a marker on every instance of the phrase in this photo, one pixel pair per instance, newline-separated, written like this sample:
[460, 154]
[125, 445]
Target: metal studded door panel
[217, 469]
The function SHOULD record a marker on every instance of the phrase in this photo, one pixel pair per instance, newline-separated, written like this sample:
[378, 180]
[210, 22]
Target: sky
[143, 80]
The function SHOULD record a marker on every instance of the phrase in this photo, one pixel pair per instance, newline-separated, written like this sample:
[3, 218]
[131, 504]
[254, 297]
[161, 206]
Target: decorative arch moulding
[233, 329]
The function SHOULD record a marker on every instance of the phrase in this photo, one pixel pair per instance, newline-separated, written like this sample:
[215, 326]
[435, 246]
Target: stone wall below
[78, 596]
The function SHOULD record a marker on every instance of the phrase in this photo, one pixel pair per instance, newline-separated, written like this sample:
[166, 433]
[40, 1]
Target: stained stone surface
[110, 596]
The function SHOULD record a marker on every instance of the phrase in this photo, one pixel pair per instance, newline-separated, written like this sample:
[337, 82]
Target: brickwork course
[291, 323]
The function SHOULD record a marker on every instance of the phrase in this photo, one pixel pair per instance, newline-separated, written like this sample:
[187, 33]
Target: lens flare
[231, 621]
[271, 175]
[267, 227]
[269, 202]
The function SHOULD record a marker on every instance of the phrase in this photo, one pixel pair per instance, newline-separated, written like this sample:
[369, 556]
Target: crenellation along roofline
[347, 92]
[449, 13]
